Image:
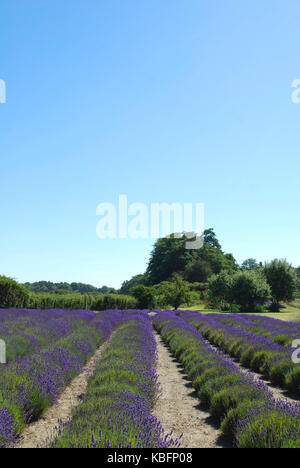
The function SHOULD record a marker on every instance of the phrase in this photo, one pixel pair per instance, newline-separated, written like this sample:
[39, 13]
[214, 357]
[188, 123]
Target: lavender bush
[32, 382]
[116, 411]
[245, 407]
[254, 342]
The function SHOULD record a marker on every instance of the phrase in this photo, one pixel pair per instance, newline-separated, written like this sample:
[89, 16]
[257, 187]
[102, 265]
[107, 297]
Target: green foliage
[12, 294]
[234, 415]
[212, 386]
[66, 288]
[269, 430]
[249, 288]
[230, 397]
[176, 291]
[282, 279]
[279, 371]
[245, 288]
[81, 301]
[144, 296]
[292, 444]
[136, 280]
[219, 288]
[250, 264]
[170, 256]
[293, 380]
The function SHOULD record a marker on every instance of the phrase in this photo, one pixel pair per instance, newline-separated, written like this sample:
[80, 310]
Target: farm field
[259, 343]
[45, 351]
[291, 313]
[160, 380]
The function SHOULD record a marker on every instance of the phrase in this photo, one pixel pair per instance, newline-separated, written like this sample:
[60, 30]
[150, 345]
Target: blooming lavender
[33, 380]
[245, 407]
[117, 409]
[261, 345]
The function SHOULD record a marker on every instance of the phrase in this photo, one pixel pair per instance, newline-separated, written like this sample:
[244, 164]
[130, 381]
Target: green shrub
[271, 429]
[12, 294]
[292, 444]
[231, 397]
[293, 380]
[247, 356]
[279, 372]
[208, 375]
[282, 340]
[230, 422]
[211, 388]
[260, 360]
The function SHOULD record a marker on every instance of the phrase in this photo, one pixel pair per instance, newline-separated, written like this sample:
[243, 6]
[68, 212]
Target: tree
[176, 291]
[210, 239]
[249, 288]
[198, 271]
[144, 296]
[12, 294]
[170, 256]
[219, 288]
[282, 279]
[250, 264]
[244, 288]
[298, 279]
[134, 281]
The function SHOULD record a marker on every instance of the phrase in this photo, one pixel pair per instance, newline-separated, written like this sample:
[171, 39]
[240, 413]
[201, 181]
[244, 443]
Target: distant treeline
[67, 288]
[80, 301]
[14, 295]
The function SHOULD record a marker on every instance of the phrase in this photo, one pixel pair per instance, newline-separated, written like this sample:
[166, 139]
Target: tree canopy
[282, 279]
[170, 256]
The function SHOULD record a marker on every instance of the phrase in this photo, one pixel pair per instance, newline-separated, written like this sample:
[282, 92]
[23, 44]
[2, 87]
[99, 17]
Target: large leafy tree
[170, 256]
[282, 279]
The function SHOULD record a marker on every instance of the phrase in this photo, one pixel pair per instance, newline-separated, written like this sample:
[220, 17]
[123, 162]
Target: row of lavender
[117, 408]
[28, 331]
[282, 333]
[46, 350]
[254, 342]
[246, 409]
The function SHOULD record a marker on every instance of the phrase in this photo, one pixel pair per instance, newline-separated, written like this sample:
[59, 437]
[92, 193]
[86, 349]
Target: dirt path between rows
[177, 406]
[42, 433]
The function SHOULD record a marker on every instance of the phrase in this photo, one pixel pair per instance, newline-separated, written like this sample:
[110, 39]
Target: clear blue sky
[169, 100]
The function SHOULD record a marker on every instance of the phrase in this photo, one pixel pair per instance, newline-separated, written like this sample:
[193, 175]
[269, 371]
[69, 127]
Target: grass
[290, 314]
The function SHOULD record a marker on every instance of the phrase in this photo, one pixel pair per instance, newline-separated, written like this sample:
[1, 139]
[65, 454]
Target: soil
[177, 406]
[42, 433]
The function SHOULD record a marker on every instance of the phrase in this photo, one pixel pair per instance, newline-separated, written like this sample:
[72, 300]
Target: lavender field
[47, 350]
